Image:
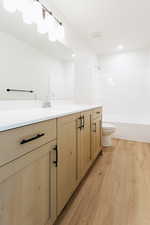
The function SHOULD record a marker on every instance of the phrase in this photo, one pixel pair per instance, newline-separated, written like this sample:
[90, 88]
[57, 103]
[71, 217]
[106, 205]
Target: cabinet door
[66, 170]
[53, 183]
[93, 140]
[96, 137]
[84, 146]
[25, 186]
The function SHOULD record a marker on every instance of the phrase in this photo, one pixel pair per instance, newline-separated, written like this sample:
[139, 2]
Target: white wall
[123, 84]
[62, 82]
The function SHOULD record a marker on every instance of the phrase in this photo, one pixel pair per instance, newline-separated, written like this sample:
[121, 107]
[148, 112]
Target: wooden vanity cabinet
[28, 188]
[66, 169]
[42, 164]
[96, 132]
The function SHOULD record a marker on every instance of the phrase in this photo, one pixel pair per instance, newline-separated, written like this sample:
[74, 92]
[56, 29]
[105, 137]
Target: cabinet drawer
[96, 113]
[19, 141]
[67, 119]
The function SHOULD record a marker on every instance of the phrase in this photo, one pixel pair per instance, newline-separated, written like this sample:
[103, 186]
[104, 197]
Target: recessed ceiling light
[120, 47]
[73, 55]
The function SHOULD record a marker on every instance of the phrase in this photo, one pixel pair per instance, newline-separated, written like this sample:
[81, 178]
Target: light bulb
[9, 5]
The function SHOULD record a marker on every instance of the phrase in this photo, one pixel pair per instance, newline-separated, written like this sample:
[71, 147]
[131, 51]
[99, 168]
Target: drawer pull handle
[82, 122]
[98, 112]
[24, 141]
[56, 161]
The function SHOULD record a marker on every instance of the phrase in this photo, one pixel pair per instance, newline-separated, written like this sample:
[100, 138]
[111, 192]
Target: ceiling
[105, 24]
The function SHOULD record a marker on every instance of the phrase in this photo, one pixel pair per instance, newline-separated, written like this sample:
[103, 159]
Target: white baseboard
[133, 132]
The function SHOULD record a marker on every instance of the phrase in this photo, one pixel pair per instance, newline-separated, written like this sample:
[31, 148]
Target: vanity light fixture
[33, 11]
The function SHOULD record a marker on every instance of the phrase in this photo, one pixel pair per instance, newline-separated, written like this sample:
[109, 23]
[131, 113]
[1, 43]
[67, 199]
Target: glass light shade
[60, 33]
[52, 27]
[22, 5]
[42, 27]
[9, 5]
[48, 22]
[36, 12]
[32, 12]
[52, 36]
[52, 24]
[26, 19]
[27, 14]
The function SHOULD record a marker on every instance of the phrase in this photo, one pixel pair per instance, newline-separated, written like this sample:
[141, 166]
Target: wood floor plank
[116, 191]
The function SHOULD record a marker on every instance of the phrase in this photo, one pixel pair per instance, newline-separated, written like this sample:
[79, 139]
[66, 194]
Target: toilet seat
[108, 126]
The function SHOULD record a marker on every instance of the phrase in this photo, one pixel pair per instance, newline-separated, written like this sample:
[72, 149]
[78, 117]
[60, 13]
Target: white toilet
[108, 130]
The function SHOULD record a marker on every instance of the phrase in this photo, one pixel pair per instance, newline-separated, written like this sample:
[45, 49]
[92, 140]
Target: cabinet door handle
[98, 112]
[56, 161]
[24, 141]
[81, 119]
[82, 122]
[94, 127]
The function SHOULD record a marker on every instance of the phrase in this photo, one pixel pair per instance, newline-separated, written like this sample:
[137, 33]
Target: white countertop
[10, 119]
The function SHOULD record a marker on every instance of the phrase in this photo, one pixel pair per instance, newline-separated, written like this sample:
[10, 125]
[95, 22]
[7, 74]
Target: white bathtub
[134, 128]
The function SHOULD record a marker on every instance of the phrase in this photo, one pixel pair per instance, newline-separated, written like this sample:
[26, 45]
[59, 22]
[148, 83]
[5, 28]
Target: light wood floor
[116, 191]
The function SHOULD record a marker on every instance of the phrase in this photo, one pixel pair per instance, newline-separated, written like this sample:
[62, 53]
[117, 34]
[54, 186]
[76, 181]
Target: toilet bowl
[108, 130]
